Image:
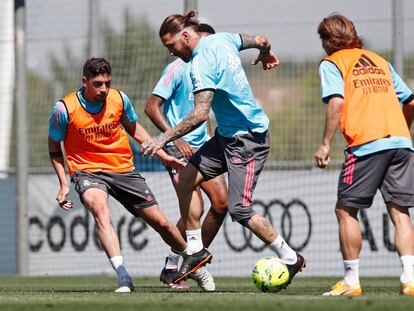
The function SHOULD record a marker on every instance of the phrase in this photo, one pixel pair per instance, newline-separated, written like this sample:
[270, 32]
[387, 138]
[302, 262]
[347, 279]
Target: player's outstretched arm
[268, 59]
[140, 134]
[56, 157]
[154, 112]
[202, 104]
[322, 155]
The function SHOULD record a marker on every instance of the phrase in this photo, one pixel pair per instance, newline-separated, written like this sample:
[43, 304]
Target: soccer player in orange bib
[363, 95]
[93, 124]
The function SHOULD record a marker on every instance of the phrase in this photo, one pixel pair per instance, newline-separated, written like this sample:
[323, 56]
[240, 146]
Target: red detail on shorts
[349, 169]
[235, 160]
[248, 185]
[150, 198]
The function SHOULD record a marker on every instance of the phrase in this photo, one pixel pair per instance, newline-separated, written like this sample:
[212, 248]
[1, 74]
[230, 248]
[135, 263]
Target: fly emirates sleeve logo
[368, 77]
[98, 132]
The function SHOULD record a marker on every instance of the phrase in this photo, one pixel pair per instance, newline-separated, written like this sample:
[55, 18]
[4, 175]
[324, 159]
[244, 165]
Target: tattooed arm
[202, 104]
[154, 112]
[266, 56]
[256, 41]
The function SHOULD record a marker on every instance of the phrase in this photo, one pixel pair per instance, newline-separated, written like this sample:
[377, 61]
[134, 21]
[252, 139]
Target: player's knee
[219, 210]
[186, 180]
[99, 210]
[219, 205]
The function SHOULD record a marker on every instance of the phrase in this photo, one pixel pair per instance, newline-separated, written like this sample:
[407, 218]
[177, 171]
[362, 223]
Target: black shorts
[390, 171]
[129, 189]
[243, 157]
[174, 152]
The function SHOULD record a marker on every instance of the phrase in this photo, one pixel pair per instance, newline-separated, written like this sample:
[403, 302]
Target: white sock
[283, 250]
[172, 261]
[351, 268]
[407, 262]
[194, 242]
[117, 263]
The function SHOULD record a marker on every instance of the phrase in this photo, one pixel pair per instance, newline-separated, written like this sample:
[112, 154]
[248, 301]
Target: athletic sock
[283, 250]
[172, 261]
[407, 263]
[117, 263]
[351, 268]
[194, 242]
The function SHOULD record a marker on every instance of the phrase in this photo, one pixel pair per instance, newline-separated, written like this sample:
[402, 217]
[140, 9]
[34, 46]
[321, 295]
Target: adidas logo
[365, 66]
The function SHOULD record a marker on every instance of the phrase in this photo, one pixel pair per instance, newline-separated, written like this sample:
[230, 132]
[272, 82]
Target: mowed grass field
[96, 293]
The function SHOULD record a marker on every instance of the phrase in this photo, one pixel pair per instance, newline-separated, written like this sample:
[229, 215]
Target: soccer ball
[270, 274]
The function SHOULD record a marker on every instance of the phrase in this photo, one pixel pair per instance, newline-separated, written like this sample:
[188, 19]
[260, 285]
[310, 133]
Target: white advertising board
[300, 204]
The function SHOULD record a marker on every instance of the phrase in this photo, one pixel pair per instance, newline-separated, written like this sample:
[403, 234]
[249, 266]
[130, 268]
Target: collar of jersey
[89, 107]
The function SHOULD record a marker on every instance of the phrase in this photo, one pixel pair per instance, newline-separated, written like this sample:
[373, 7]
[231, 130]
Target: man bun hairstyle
[202, 27]
[96, 66]
[173, 24]
[337, 32]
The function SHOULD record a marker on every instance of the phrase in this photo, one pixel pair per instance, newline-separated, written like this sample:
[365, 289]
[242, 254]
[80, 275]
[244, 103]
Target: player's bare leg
[350, 237]
[216, 191]
[264, 230]
[350, 240]
[96, 201]
[188, 180]
[167, 230]
[170, 234]
[197, 256]
[404, 243]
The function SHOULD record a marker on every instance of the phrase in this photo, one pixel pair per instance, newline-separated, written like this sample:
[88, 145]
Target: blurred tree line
[290, 95]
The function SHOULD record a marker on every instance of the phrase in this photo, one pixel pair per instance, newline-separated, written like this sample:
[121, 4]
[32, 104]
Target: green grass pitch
[96, 293]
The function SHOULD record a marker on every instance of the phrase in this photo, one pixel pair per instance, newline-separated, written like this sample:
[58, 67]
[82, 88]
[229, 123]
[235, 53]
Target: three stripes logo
[365, 66]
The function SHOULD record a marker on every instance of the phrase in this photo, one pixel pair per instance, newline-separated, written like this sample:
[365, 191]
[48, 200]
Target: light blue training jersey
[175, 88]
[58, 122]
[216, 65]
[332, 84]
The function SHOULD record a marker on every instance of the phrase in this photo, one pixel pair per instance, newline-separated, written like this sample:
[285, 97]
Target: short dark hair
[173, 24]
[96, 66]
[202, 27]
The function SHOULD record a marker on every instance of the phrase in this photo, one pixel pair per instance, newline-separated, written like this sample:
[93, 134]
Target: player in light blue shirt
[233, 103]
[332, 84]
[174, 92]
[241, 143]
